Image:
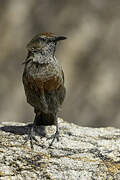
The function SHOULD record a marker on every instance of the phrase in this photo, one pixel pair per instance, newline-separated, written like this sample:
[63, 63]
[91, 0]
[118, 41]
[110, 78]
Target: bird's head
[44, 42]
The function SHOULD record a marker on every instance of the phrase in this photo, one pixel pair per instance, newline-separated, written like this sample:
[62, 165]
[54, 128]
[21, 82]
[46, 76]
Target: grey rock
[82, 153]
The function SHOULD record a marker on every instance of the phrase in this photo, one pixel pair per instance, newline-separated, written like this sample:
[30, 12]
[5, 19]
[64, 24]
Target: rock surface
[82, 153]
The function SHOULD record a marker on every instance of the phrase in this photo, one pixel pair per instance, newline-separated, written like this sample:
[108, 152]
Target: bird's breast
[45, 76]
[48, 84]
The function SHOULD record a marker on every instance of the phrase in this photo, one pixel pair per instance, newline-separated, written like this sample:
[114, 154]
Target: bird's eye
[41, 39]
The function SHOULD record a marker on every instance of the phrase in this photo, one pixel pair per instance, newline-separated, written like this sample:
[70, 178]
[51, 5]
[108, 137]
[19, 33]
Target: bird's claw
[31, 137]
[53, 137]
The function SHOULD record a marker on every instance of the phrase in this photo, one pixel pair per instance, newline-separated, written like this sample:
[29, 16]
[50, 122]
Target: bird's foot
[31, 137]
[53, 137]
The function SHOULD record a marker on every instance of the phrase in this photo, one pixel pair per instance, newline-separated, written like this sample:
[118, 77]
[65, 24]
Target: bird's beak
[59, 38]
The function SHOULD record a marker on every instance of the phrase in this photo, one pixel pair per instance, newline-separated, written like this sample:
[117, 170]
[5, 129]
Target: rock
[82, 153]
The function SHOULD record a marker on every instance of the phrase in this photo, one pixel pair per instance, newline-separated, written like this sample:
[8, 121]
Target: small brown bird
[43, 80]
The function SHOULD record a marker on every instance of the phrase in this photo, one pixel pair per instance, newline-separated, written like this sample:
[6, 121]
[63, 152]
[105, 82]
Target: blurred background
[90, 57]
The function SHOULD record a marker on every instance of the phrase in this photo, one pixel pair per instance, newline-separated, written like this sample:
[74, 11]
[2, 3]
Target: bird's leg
[56, 135]
[31, 134]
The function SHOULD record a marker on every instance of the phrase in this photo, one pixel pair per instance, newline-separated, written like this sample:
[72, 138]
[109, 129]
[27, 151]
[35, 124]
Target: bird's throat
[43, 58]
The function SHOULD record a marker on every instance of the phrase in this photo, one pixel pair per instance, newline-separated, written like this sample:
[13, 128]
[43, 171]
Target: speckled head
[42, 39]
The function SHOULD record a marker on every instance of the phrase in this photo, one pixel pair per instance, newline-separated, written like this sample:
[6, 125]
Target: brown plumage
[43, 80]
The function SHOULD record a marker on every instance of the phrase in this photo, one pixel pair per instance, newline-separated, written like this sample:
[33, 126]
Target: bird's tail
[44, 119]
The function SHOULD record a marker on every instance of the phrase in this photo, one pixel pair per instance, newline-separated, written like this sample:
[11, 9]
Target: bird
[43, 81]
